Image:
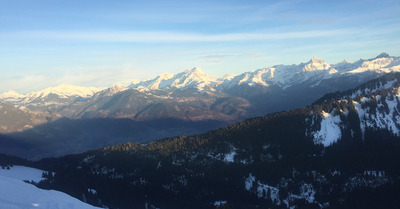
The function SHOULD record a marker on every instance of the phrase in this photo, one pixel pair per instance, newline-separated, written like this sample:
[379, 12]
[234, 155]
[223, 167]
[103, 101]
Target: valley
[331, 154]
[69, 119]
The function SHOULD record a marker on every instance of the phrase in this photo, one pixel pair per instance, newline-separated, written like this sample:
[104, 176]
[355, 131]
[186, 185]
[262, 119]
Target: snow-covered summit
[65, 90]
[282, 75]
[379, 65]
[316, 64]
[194, 77]
[11, 96]
[313, 71]
[61, 91]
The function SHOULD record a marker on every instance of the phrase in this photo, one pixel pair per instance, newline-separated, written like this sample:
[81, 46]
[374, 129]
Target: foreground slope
[341, 152]
[17, 194]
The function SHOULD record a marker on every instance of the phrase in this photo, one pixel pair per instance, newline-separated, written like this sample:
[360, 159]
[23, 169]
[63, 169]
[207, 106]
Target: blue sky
[98, 43]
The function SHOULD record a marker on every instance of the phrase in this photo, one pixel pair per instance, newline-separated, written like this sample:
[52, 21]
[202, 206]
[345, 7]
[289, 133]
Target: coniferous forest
[275, 161]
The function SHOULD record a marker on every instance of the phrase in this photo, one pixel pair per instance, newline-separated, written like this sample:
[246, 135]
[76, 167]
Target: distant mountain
[340, 152]
[11, 96]
[52, 97]
[272, 85]
[18, 119]
[190, 97]
[190, 78]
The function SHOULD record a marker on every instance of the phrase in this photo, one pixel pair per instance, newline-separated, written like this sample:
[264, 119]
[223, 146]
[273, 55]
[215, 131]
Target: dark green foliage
[7, 160]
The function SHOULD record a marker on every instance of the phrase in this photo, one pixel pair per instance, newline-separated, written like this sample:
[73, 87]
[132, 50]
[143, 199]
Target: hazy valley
[69, 119]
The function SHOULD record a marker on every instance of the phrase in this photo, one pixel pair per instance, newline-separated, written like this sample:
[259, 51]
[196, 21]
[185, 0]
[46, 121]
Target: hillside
[341, 152]
[16, 193]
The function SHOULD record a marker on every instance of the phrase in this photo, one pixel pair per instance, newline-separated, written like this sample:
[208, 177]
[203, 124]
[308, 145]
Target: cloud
[210, 56]
[214, 58]
[23, 84]
[211, 61]
[167, 37]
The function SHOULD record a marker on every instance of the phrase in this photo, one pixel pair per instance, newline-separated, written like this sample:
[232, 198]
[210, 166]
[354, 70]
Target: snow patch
[330, 130]
[230, 157]
[249, 181]
[379, 118]
[307, 192]
[220, 202]
[263, 190]
[390, 84]
[92, 191]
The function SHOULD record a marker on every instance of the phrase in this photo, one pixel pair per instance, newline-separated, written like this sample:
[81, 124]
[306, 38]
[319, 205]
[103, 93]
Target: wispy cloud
[155, 37]
[217, 58]
[210, 56]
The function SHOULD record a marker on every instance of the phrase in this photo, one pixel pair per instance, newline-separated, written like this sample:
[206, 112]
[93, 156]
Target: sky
[99, 43]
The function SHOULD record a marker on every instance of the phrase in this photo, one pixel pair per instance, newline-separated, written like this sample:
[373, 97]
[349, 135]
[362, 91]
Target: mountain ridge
[321, 156]
[190, 98]
[195, 76]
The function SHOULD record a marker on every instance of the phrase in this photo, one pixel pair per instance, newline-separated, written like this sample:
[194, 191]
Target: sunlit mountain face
[55, 120]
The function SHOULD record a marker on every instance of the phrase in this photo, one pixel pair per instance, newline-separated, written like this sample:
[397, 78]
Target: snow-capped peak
[64, 91]
[316, 64]
[194, 77]
[377, 64]
[315, 70]
[11, 95]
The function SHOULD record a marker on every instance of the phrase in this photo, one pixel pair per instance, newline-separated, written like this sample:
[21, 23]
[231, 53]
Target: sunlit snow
[389, 120]
[330, 130]
[16, 194]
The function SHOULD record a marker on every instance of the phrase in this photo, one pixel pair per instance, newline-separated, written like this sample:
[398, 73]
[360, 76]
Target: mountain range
[341, 151]
[69, 119]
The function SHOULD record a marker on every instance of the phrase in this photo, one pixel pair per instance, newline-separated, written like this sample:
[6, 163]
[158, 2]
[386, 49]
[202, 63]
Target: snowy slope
[16, 194]
[330, 129]
[385, 115]
[378, 65]
[377, 106]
